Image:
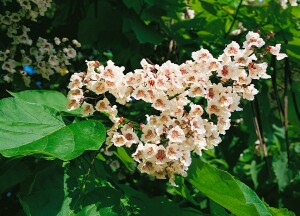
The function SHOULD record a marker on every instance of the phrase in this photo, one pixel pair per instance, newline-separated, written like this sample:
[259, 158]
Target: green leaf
[217, 210]
[142, 32]
[292, 49]
[65, 190]
[46, 192]
[159, 205]
[136, 5]
[223, 189]
[281, 212]
[22, 122]
[183, 190]
[53, 99]
[12, 172]
[125, 158]
[27, 128]
[254, 171]
[280, 167]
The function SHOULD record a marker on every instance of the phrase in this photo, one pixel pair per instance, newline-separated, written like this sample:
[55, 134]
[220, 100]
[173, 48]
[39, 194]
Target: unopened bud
[96, 64]
[121, 119]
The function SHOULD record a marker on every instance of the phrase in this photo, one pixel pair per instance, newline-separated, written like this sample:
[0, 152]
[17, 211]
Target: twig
[234, 19]
[286, 88]
[294, 98]
[92, 162]
[274, 83]
[259, 131]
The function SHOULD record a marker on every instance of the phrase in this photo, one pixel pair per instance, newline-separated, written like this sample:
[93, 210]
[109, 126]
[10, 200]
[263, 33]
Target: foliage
[51, 162]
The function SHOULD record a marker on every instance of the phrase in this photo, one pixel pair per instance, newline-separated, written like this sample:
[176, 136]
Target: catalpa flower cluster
[44, 56]
[163, 145]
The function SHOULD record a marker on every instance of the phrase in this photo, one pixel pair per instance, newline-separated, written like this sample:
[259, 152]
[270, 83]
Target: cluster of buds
[44, 57]
[163, 145]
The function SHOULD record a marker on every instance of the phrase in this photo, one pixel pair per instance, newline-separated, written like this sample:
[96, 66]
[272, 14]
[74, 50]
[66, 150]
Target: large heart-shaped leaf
[222, 188]
[30, 128]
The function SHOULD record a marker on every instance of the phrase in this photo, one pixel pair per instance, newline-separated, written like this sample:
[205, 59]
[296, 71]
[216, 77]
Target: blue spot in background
[29, 70]
[38, 84]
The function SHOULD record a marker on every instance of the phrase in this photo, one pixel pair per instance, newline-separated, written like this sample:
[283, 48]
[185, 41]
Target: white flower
[234, 106]
[275, 51]
[224, 58]
[293, 2]
[225, 99]
[140, 93]
[197, 125]
[257, 71]
[162, 83]
[118, 139]
[197, 90]
[202, 54]
[131, 137]
[98, 87]
[174, 151]
[214, 65]
[176, 134]
[200, 145]
[57, 41]
[138, 155]
[213, 107]
[71, 53]
[214, 91]
[76, 43]
[243, 78]
[76, 82]
[103, 105]
[196, 110]
[213, 140]
[161, 156]
[87, 109]
[76, 94]
[9, 66]
[148, 167]
[161, 103]
[229, 71]
[249, 92]
[253, 39]
[53, 60]
[149, 150]
[223, 124]
[232, 49]
[113, 73]
[190, 13]
[150, 134]
[73, 104]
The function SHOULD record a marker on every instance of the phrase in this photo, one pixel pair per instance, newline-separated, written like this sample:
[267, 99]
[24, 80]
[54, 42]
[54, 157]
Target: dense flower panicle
[44, 56]
[166, 141]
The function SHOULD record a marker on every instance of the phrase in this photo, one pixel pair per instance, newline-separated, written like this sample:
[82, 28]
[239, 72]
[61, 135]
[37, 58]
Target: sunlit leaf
[28, 128]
